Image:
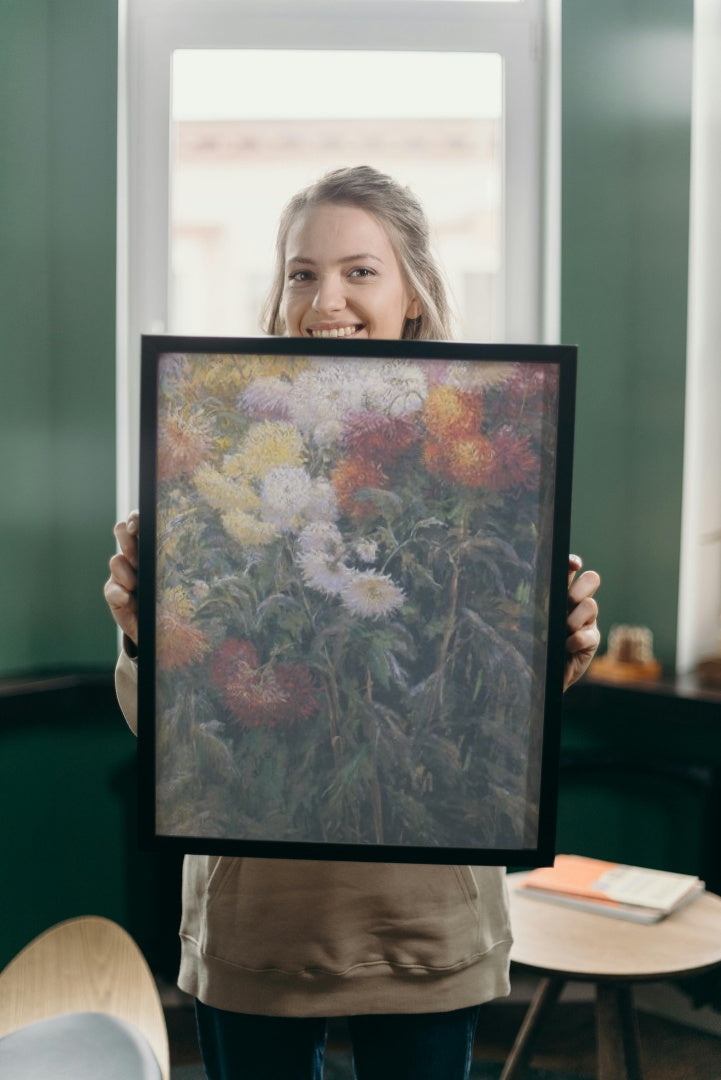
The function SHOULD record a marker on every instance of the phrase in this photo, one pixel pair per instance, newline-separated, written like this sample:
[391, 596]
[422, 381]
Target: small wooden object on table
[562, 945]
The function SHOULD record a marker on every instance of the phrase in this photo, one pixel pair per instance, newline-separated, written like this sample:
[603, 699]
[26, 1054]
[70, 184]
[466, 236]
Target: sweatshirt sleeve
[126, 688]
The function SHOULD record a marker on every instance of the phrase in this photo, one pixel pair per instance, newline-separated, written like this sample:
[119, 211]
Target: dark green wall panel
[626, 145]
[58, 77]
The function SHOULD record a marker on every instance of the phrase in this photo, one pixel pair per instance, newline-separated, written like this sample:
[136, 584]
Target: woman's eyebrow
[361, 257]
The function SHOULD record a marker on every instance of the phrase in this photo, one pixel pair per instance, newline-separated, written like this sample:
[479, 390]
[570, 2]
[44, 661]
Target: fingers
[126, 534]
[582, 587]
[582, 634]
[121, 587]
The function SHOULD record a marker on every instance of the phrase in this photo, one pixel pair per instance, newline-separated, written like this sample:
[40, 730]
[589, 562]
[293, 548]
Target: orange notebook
[631, 892]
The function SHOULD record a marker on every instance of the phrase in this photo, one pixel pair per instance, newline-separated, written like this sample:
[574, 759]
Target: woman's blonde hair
[403, 217]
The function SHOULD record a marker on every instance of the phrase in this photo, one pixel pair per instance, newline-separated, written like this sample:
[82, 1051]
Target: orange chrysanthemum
[177, 643]
[466, 461]
[182, 446]
[449, 412]
[352, 475]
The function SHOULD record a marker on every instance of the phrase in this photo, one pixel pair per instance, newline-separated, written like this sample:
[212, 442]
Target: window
[227, 107]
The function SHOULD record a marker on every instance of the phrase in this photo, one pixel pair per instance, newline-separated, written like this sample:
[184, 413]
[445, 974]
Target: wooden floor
[669, 1051]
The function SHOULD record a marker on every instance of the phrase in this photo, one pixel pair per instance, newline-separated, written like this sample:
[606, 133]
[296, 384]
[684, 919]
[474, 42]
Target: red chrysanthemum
[379, 438]
[299, 690]
[233, 655]
[516, 464]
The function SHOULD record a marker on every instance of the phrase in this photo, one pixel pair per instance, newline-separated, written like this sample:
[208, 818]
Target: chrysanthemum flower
[325, 573]
[366, 550]
[234, 655]
[248, 530]
[516, 465]
[352, 475]
[321, 536]
[479, 375]
[371, 595]
[268, 445]
[177, 642]
[182, 445]
[285, 495]
[449, 413]
[465, 461]
[325, 394]
[267, 398]
[224, 492]
[380, 438]
[396, 388]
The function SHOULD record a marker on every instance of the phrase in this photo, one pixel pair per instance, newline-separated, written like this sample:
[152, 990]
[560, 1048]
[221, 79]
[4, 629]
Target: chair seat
[78, 1046]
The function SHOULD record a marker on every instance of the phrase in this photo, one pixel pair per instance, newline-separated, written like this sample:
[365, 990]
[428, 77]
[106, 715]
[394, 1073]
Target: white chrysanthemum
[371, 595]
[396, 388]
[323, 573]
[285, 495]
[267, 396]
[324, 393]
[328, 433]
[366, 550]
[322, 504]
[321, 536]
[478, 375]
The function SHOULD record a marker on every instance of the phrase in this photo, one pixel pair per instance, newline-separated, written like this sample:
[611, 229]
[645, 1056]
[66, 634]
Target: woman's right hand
[121, 587]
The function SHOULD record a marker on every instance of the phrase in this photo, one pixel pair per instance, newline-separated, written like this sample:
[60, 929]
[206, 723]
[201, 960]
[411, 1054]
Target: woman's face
[342, 277]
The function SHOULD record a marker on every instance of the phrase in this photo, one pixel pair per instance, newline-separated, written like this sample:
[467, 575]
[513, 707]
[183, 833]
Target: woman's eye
[362, 272]
[300, 276]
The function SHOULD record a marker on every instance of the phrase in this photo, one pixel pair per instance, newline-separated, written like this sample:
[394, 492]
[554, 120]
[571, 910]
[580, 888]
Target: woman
[271, 948]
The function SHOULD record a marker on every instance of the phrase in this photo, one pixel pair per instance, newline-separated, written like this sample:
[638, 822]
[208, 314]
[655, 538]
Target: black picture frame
[353, 573]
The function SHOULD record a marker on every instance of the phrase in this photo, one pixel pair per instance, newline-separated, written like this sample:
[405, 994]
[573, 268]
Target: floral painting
[351, 598]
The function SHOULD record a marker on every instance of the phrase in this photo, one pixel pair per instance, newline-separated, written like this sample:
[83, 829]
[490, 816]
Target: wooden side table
[562, 944]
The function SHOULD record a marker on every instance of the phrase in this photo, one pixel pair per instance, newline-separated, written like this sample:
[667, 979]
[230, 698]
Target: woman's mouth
[334, 331]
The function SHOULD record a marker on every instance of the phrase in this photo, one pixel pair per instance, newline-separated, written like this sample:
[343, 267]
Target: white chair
[80, 1002]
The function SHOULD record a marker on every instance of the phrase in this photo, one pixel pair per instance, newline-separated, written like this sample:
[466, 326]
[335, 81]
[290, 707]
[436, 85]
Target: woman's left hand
[583, 635]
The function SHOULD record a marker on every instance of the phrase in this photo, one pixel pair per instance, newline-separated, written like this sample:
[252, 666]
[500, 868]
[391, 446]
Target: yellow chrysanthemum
[248, 530]
[176, 602]
[449, 412]
[223, 492]
[269, 445]
[177, 641]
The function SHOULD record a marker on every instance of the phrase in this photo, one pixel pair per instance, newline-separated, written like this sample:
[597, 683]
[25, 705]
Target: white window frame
[526, 34]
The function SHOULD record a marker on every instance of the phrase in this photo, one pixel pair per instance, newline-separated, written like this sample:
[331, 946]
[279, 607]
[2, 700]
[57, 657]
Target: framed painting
[352, 597]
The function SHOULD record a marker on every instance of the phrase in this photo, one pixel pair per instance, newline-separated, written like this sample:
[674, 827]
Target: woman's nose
[329, 295]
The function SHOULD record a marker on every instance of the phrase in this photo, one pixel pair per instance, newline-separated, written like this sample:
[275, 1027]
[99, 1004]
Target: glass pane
[250, 128]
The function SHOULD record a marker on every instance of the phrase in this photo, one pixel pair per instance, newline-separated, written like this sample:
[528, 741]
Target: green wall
[625, 200]
[58, 72]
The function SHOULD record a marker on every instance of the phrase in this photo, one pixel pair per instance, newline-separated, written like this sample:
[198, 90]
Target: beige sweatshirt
[286, 937]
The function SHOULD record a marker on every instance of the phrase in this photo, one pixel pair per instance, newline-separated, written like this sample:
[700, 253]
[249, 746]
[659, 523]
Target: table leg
[545, 997]
[617, 1033]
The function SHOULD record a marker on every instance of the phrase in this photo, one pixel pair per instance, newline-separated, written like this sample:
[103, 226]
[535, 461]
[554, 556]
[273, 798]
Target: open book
[608, 888]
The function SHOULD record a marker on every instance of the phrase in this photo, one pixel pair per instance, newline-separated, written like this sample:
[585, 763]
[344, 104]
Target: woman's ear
[415, 309]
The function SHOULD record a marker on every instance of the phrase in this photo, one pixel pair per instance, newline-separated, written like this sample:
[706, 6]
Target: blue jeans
[417, 1046]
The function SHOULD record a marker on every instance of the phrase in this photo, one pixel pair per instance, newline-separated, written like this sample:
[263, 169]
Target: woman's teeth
[337, 331]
